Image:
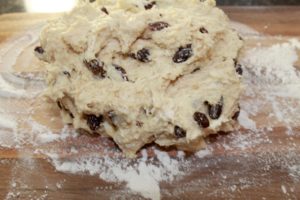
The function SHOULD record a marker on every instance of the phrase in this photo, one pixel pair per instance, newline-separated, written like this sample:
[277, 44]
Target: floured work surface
[41, 159]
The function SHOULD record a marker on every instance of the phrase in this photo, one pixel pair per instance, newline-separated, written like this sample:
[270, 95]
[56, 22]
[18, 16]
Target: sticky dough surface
[139, 74]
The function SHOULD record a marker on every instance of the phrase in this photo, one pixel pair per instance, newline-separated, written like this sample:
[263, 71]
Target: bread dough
[144, 71]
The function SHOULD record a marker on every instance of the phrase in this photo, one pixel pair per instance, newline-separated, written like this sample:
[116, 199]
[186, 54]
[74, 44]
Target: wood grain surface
[256, 172]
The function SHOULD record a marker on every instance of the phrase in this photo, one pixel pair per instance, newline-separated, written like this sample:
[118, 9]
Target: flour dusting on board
[272, 83]
[142, 177]
[273, 65]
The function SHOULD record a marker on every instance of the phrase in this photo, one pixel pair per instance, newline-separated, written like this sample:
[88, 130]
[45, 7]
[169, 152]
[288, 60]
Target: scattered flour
[244, 29]
[9, 91]
[245, 121]
[203, 153]
[10, 51]
[273, 64]
[14, 85]
[14, 136]
[42, 134]
[273, 68]
[12, 195]
[283, 188]
[294, 171]
[142, 177]
[8, 127]
[59, 185]
[7, 123]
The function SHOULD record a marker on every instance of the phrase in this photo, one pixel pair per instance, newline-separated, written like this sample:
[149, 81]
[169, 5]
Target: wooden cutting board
[253, 172]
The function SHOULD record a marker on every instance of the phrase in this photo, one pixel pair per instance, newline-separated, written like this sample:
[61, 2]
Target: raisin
[215, 110]
[238, 67]
[179, 132]
[139, 123]
[201, 119]
[150, 5]
[67, 73]
[39, 50]
[236, 114]
[142, 55]
[103, 9]
[93, 121]
[123, 72]
[59, 104]
[96, 67]
[195, 70]
[71, 115]
[157, 26]
[183, 54]
[203, 30]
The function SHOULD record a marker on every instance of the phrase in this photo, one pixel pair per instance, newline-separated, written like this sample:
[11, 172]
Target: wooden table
[251, 172]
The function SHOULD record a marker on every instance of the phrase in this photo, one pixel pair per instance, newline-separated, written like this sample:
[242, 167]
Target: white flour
[245, 121]
[273, 64]
[10, 51]
[143, 177]
[270, 79]
[9, 91]
[294, 171]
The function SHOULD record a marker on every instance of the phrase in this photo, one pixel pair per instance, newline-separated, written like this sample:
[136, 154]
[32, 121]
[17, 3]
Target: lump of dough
[137, 71]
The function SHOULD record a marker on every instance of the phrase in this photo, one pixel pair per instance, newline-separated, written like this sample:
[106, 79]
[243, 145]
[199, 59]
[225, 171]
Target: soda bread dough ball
[144, 71]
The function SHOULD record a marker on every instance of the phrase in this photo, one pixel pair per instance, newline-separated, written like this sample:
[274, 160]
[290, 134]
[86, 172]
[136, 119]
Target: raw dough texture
[138, 71]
